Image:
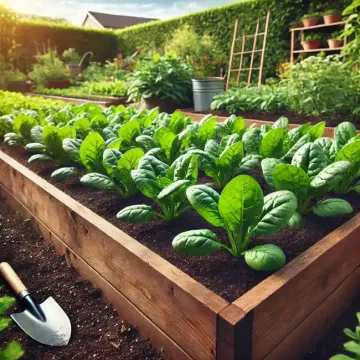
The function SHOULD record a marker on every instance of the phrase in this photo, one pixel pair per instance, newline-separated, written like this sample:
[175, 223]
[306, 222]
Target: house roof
[116, 21]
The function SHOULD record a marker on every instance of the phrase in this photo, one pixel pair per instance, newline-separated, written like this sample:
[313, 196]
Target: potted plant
[161, 81]
[50, 71]
[16, 81]
[332, 16]
[335, 41]
[310, 19]
[72, 61]
[312, 42]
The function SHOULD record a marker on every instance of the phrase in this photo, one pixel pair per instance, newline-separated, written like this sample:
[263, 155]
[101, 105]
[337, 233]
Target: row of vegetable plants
[160, 155]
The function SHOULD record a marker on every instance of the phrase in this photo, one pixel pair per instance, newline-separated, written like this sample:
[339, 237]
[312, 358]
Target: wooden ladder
[242, 52]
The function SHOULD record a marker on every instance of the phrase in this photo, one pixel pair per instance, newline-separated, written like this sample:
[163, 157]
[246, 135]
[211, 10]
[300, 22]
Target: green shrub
[161, 77]
[48, 67]
[319, 86]
[199, 51]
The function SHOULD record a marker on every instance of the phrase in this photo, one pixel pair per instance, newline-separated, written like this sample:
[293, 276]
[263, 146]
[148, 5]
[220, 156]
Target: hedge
[33, 35]
[219, 23]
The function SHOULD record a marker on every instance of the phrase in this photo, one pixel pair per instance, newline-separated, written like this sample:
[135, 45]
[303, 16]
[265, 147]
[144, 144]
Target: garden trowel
[46, 323]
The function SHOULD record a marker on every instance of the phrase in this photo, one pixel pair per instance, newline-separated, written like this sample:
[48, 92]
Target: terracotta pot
[334, 43]
[19, 86]
[311, 44]
[310, 22]
[58, 84]
[73, 70]
[332, 18]
[165, 105]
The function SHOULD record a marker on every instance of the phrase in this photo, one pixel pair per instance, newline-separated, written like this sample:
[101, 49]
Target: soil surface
[222, 273]
[293, 117]
[332, 342]
[97, 330]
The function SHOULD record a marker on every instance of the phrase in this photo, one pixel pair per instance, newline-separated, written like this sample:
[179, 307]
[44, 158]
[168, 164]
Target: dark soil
[227, 276]
[97, 330]
[332, 342]
[293, 117]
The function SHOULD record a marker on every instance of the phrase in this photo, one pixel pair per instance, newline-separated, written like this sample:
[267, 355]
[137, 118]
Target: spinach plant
[223, 163]
[352, 346]
[308, 186]
[350, 153]
[165, 144]
[163, 184]
[51, 146]
[118, 169]
[203, 131]
[244, 212]
[12, 350]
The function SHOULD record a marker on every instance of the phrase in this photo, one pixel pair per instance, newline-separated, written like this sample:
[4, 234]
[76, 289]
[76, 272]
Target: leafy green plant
[48, 67]
[313, 15]
[161, 77]
[223, 162]
[352, 346]
[203, 131]
[309, 178]
[96, 89]
[51, 146]
[267, 98]
[244, 213]
[315, 82]
[13, 350]
[71, 57]
[118, 168]
[200, 51]
[350, 153]
[332, 12]
[165, 185]
[313, 36]
[352, 31]
[336, 35]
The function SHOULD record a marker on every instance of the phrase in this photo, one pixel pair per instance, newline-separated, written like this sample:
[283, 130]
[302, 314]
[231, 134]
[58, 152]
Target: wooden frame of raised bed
[277, 319]
[105, 101]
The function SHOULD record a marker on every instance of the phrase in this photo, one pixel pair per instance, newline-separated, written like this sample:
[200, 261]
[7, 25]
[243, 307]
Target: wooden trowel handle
[12, 278]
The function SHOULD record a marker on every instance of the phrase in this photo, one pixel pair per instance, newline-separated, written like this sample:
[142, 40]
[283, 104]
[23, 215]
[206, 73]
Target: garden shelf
[279, 318]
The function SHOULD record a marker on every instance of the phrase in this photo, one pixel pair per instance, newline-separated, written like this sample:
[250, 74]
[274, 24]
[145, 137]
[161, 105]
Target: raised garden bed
[278, 317]
[98, 332]
[98, 100]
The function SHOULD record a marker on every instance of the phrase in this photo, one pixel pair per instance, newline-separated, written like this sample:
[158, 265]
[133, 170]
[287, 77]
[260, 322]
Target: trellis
[252, 52]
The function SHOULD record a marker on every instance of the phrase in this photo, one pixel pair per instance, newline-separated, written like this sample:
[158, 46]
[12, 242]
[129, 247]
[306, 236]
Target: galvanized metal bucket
[204, 90]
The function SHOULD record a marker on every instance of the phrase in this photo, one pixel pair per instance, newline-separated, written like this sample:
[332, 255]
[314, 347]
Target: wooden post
[263, 49]
[292, 47]
[253, 52]
[241, 59]
[231, 53]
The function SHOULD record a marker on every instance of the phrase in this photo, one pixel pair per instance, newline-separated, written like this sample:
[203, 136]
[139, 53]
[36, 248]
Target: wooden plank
[231, 53]
[184, 309]
[234, 339]
[263, 49]
[253, 51]
[241, 61]
[318, 50]
[251, 36]
[292, 47]
[282, 301]
[247, 52]
[318, 26]
[314, 326]
[124, 307]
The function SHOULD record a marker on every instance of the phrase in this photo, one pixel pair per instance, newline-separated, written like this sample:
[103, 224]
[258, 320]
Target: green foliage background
[217, 22]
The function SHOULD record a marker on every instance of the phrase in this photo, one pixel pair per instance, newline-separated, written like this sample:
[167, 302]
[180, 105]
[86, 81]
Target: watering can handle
[12, 278]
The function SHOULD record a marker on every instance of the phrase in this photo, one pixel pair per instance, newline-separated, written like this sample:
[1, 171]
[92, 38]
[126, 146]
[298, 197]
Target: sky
[75, 10]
